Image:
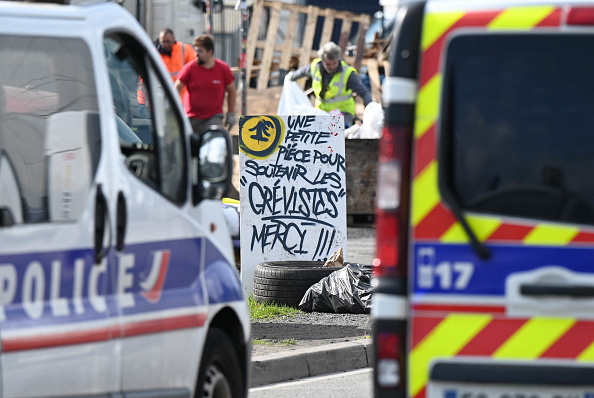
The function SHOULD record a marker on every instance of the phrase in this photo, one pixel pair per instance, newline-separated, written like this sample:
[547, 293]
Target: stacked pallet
[281, 38]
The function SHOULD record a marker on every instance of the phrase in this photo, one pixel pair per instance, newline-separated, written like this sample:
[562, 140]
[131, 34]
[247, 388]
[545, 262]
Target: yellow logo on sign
[260, 136]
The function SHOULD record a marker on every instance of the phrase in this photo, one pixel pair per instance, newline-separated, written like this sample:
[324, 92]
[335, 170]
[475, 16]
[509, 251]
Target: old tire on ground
[220, 372]
[285, 282]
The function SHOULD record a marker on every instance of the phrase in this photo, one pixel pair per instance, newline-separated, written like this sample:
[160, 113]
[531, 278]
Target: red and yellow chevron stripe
[430, 218]
[497, 338]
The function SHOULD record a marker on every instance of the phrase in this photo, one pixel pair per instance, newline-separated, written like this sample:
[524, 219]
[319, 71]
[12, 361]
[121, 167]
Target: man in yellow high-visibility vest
[334, 82]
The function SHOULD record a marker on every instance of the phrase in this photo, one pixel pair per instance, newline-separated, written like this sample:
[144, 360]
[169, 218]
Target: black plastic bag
[347, 290]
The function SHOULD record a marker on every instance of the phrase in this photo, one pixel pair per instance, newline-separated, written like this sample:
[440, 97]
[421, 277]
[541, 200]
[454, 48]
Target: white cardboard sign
[292, 190]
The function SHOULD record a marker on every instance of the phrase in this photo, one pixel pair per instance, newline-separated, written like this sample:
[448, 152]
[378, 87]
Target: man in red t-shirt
[207, 80]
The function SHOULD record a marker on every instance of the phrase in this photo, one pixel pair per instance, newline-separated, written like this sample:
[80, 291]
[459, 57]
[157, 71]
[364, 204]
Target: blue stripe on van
[441, 268]
[27, 283]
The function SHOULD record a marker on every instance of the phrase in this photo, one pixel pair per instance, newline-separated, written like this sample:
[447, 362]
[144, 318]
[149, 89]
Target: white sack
[373, 122]
[293, 101]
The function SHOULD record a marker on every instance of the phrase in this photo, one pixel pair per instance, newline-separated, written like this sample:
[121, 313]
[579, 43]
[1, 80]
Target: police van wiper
[445, 176]
[479, 248]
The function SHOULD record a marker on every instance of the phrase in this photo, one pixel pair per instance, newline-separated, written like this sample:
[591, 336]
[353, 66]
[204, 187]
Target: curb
[308, 362]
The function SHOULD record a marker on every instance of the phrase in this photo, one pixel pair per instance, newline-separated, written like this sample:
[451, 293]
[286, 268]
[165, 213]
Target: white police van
[117, 273]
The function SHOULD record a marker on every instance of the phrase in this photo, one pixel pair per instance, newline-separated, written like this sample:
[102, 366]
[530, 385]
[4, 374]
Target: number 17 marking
[455, 275]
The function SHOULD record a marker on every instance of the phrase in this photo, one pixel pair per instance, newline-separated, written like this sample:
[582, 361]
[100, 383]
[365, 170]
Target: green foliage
[288, 342]
[270, 343]
[261, 342]
[268, 310]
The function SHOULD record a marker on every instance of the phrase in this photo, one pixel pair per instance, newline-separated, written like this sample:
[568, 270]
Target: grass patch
[261, 342]
[268, 310]
[286, 342]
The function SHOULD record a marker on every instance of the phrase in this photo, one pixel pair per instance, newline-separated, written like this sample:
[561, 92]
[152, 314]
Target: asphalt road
[353, 384]
[360, 244]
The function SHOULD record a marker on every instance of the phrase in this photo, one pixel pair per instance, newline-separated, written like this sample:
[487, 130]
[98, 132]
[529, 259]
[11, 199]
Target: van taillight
[392, 201]
[386, 229]
[580, 16]
[388, 366]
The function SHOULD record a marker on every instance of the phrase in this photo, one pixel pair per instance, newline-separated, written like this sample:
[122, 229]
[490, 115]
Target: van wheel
[220, 374]
[286, 282]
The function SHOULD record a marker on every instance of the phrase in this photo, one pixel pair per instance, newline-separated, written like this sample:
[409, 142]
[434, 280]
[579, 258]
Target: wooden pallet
[277, 48]
[374, 67]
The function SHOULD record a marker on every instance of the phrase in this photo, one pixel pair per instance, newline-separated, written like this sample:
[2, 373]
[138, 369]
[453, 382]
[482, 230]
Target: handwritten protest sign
[292, 190]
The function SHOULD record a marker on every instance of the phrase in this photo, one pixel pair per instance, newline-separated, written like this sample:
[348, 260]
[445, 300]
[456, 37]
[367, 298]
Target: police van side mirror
[214, 164]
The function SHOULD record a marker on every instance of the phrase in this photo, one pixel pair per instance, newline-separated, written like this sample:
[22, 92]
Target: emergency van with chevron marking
[484, 274]
[117, 272]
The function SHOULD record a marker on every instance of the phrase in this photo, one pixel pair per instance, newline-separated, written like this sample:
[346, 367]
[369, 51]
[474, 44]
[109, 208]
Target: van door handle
[101, 215]
[121, 221]
[539, 290]
[6, 217]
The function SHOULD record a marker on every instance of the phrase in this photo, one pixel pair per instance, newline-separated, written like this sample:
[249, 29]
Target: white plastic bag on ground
[373, 122]
[293, 101]
[353, 131]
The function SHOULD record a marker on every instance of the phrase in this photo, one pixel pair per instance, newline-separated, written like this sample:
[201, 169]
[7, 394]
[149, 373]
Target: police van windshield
[518, 125]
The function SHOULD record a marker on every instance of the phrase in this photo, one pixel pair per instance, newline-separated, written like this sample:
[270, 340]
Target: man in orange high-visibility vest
[174, 54]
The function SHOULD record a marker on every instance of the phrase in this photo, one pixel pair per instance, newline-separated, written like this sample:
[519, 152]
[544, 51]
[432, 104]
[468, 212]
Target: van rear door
[502, 203]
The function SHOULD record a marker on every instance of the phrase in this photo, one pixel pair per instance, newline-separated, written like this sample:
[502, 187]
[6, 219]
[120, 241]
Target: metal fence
[226, 30]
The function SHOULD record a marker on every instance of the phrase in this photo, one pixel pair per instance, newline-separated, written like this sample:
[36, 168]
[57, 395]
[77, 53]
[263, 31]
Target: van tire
[219, 373]
[286, 282]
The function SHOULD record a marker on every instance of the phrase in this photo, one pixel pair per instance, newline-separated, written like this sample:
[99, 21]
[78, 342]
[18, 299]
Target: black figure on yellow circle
[260, 136]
